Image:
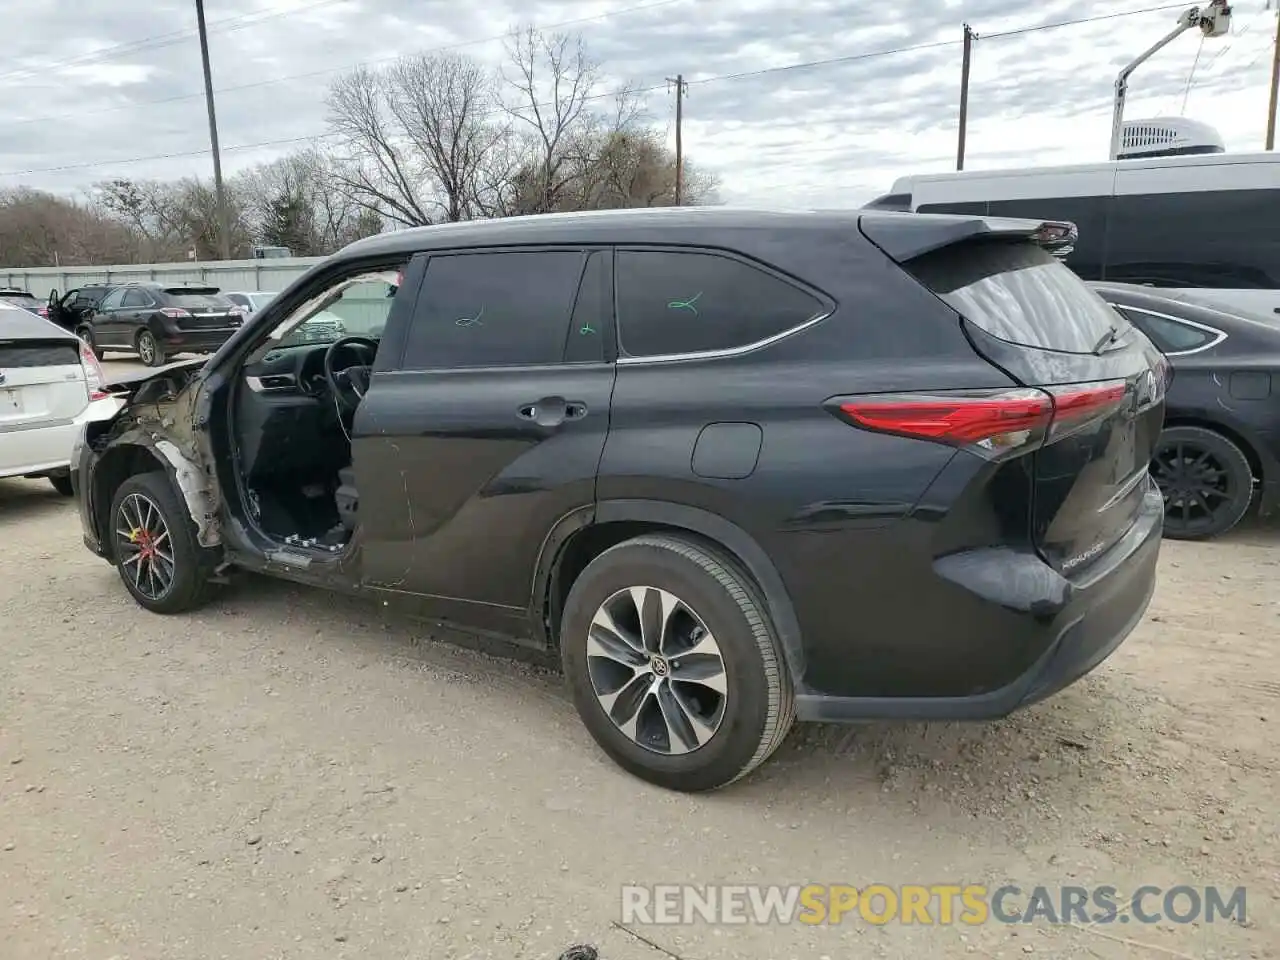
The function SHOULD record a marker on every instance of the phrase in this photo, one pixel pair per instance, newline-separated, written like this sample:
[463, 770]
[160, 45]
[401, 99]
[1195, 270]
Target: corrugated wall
[268, 275]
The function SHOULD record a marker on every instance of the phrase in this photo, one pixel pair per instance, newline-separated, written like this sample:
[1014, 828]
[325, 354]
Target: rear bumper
[37, 451]
[197, 341]
[1080, 623]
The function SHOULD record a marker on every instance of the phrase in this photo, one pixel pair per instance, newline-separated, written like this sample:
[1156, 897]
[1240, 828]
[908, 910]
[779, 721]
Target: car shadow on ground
[22, 499]
[1038, 766]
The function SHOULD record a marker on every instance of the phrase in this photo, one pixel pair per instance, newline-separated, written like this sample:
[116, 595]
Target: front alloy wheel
[656, 670]
[144, 547]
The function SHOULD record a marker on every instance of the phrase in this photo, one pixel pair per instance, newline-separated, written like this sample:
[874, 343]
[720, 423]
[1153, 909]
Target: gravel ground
[286, 774]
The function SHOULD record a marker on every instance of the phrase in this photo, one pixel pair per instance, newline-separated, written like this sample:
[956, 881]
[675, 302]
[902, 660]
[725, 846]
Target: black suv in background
[72, 308]
[731, 468]
[157, 320]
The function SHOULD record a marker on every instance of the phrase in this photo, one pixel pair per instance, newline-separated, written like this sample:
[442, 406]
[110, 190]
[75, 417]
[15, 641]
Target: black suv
[157, 320]
[731, 468]
[71, 309]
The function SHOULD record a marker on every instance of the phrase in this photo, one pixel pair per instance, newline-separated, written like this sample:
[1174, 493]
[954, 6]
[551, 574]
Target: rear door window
[136, 298]
[1018, 293]
[495, 309]
[679, 302]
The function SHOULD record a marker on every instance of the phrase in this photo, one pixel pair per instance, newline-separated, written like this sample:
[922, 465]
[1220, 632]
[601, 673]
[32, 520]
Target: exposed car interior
[294, 405]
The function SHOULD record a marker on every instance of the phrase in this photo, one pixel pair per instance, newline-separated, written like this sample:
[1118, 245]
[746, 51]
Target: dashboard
[290, 370]
[286, 415]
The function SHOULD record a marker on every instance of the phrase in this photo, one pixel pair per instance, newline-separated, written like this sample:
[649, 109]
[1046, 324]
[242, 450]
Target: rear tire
[1206, 481]
[162, 564]
[149, 350]
[705, 704]
[85, 333]
[62, 483]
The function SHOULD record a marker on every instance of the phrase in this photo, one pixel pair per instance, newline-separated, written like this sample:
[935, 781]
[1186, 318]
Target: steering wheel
[350, 384]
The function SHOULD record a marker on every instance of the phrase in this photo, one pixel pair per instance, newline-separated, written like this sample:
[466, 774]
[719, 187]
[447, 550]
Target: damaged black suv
[732, 468]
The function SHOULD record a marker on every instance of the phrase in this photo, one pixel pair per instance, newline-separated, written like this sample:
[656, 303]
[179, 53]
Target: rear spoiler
[905, 236]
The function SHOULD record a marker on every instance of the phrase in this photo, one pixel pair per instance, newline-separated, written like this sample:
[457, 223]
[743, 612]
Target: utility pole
[682, 89]
[1275, 84]
[224, 222]
[964, 94]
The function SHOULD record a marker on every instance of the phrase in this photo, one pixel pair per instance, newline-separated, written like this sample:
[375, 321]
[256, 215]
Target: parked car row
[154, 320]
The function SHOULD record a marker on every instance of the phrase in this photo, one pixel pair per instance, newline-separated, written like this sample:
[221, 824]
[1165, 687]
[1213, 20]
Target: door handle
[552, 411]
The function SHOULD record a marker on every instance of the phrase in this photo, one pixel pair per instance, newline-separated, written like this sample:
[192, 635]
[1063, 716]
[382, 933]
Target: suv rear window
[1019, 293]
[202, 300]
[24, 300]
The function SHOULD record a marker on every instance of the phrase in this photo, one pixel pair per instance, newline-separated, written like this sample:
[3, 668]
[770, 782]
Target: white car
[50, 385]
[251, 300]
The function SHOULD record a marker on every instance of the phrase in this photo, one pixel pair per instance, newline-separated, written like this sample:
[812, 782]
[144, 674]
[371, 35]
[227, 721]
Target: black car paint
[879, 585]
[1232, 387]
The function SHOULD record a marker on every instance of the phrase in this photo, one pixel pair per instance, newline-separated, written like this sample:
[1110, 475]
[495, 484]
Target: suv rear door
[486, 429]
[1031, 316]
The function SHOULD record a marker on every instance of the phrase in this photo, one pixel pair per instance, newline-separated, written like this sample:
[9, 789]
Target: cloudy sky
[88, 92]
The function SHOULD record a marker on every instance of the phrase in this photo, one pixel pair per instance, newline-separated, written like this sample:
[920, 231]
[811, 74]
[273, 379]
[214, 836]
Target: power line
[638, 8]
[1097, 18]
[720, 78]
[225, 25]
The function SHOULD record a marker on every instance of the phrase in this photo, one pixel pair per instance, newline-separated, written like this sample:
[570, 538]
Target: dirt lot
[289, 775]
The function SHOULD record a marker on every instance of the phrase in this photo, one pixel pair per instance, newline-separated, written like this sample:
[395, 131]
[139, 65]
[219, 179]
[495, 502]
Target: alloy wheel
[1195, 483]
[146, 348]
[144, 547]
[656, 670]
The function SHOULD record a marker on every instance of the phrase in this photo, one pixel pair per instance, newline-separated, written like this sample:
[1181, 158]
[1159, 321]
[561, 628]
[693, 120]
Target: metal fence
[272, 274]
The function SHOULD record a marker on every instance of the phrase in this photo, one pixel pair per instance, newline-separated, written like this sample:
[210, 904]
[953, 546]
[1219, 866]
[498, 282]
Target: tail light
[175, 312]
[43, 311]
[93, 376]
[991, 423]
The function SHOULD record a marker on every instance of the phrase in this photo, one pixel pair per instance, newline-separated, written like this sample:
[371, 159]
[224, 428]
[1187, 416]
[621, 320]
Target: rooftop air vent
[1168, 137]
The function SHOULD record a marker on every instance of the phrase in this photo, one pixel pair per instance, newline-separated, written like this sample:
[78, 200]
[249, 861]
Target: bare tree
[39, 229]
[443, 104]
[551, 80]
[378, 173]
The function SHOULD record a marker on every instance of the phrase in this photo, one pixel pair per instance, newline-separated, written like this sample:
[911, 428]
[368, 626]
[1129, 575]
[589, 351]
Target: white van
[1207, 223]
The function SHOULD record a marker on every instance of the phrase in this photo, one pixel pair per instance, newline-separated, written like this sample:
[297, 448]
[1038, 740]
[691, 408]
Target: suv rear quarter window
[1169, 335]
[494, 309]
[679, 302]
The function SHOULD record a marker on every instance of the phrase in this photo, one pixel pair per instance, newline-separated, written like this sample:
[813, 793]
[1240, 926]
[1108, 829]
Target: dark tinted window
[592, 313]
[190, 300]
[135, 298]
[239, 299]
[494, 309]
[1019, 293]
[112, 299]
[676, 302]
[1169, 335]
[1210, 238]
[38, 353]
[1089, 214]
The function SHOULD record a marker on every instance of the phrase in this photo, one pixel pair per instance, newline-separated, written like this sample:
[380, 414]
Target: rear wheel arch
[580, 537]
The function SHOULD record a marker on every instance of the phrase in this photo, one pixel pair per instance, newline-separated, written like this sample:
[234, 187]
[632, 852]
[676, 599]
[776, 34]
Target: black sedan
[1220, 449]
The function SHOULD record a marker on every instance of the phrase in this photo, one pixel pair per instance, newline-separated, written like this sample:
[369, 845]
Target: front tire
[155, 548]
[1206, 481]
[149, 350]
[674, 664]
